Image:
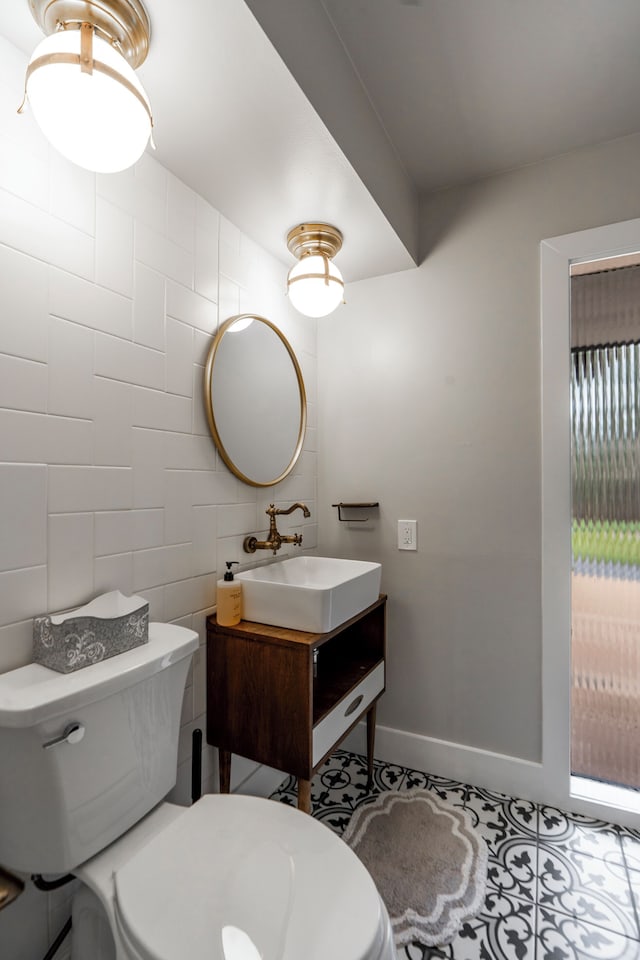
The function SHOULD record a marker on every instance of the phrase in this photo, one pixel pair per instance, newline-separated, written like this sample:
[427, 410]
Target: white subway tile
[23, 384]
[252, 267]
[37, 438]
[307, 465]
[114, 573]
[152, 176]
[230, 235]
[239, 519]
[72, 193]
[23, 172]
[113, 532]
[249, 302]
[179, 566]
[37, 233]
[206, 256]
[23, 515]
[312, 415]
[121, 360]
[74, 299]
[114, 248]
[228, 298]
[118, 188]
[155, 597]
[152, 568]
[210, 486]
[185, 596]
[177, 507]
[149, 568]
[148, 529]
[80, 489]
[161, 411]
[186, 452]
[23, 331]
[230, 262]
[309, 367]
[160, 253]
[207, 217]
[150, 211]
[113, 422]
[16, 645]
[200, 423]
[120, 531]
[66, 440]
[71, 351]
[149, 460]
[230, 548]
[204, 534]
[151, 183]
[148, 307]
[310, 440]
[183, 304]
[181, 213]
[179, 358]
[23, 594]
[70, 560]
[201, 346]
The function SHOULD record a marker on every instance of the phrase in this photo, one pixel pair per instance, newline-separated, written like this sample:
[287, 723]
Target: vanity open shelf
[287, 698]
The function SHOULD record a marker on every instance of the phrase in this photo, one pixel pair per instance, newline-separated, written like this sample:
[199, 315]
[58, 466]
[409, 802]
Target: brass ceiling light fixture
[81, 83]
[315, 284]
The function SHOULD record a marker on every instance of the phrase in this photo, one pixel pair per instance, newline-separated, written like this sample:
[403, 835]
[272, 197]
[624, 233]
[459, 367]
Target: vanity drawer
[337, 721]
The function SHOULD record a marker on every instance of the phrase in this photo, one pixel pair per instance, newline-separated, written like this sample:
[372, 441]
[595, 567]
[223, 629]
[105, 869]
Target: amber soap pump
[229, 599]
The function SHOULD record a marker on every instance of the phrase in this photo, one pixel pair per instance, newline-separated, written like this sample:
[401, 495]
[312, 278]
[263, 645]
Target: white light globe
[90, 118]
[316, 295]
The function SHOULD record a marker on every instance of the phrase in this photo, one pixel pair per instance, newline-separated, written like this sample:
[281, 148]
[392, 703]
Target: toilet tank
[62, 802]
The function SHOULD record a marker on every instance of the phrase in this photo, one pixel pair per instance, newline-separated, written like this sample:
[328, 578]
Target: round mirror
[255, 400]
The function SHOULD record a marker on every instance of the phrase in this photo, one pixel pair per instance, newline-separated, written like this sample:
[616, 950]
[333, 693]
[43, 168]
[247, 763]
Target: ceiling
[349, 111]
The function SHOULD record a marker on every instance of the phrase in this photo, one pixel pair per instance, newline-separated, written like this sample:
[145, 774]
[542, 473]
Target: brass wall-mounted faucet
[274, 539]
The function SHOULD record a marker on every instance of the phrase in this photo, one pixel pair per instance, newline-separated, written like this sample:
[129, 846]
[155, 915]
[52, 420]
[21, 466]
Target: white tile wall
[111, 288]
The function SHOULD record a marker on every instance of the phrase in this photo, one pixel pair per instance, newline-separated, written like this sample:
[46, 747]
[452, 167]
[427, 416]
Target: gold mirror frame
[208, 400]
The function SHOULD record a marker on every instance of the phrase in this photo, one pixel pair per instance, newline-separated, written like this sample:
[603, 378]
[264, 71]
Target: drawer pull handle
[354, 705]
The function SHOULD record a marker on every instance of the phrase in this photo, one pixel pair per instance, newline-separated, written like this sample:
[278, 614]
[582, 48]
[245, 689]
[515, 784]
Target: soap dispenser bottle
[229, 599]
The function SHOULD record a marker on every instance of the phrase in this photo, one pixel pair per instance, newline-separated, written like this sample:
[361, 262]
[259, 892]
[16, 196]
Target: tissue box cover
[110, 624]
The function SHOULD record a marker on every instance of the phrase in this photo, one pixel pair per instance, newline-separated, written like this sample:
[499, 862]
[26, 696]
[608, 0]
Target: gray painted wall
[429, 400]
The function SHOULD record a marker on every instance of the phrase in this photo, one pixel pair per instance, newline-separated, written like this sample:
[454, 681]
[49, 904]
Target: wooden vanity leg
[371, 736]
[304, 795]
[224, 770]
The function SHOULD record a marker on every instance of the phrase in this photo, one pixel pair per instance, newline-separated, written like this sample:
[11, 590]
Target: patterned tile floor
[560, 886]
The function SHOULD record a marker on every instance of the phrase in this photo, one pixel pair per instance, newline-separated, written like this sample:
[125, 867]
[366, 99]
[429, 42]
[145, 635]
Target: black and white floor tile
[559, 886]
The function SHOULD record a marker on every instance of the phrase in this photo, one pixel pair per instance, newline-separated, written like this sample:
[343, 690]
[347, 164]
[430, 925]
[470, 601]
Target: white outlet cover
[407, 534]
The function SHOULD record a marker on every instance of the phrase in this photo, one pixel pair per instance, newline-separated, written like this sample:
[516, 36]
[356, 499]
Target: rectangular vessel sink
[315, 594]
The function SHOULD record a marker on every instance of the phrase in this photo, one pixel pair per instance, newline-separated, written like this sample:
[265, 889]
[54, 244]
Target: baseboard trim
[495, 771]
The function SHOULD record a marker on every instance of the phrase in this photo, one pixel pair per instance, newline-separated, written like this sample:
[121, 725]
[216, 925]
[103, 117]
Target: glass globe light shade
[319, 294]
[90, 118]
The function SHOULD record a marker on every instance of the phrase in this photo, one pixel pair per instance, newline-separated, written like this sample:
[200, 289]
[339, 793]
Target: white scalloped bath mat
[427, 860]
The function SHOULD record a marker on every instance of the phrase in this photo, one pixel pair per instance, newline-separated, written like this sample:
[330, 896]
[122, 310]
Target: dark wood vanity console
[287, 698]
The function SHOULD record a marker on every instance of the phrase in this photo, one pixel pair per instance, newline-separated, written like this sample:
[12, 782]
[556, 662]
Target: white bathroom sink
[315, 594]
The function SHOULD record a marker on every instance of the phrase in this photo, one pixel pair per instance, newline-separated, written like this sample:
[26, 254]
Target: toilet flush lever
[72, 733]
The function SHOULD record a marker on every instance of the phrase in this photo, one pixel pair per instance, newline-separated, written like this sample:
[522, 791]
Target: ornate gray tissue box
[110, 624]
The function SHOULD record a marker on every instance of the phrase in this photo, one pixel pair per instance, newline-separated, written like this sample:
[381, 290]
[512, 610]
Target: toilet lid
[241, 878]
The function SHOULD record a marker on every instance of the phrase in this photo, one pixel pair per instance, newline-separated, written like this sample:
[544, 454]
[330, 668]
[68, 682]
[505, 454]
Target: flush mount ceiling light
[81, 83]
[315, 284]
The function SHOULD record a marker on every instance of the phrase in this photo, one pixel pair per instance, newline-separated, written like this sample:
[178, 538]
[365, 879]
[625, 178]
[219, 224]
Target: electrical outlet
[407, 534]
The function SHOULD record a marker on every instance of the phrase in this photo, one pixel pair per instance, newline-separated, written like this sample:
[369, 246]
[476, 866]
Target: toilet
[92, 755]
